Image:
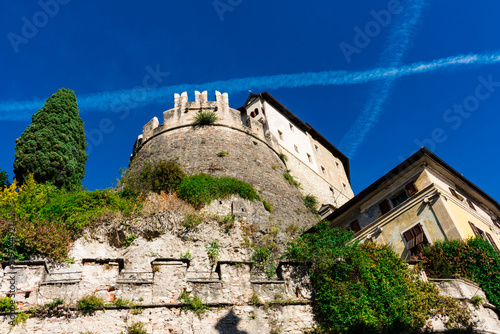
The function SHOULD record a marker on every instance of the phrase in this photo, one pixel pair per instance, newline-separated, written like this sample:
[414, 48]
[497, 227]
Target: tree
[53, 146]
[4, 179]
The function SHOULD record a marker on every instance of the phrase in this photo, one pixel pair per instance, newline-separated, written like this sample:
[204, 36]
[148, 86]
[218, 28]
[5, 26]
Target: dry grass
[166, 203]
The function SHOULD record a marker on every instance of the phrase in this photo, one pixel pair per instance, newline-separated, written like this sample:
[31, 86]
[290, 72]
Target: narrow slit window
[291, 127]
[296, 148]
[323, 170]
[309, 158]
[280, 134]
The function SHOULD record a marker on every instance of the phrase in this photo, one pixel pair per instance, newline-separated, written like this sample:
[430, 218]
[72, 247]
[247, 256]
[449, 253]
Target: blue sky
[379, 79]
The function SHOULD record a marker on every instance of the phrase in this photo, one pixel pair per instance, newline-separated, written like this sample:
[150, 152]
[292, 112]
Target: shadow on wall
[229, 324]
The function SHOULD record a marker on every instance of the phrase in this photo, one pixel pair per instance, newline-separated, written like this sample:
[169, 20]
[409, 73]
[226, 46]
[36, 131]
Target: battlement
[184, 112]
[232, 282]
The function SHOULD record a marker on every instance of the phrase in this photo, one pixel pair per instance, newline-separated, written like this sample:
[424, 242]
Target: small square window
[323, 170]
[471, 205]
[337, 164]
[344, 185]
[296, 148]
[280, 134]
[316, 148]
[331, 189]
[309, 158]
[291, 127]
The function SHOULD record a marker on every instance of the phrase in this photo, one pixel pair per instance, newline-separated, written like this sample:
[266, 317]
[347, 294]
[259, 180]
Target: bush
[474, 259]
[201, 189]
[90, 304]
[310, 202]
[137, 328]
[48, 219]
[291, 180]
[153, 177]
[7, 304]
[388, 296]
[267, 206]
[263, 259]
[205, 118]
[283, 157]
[194, 304]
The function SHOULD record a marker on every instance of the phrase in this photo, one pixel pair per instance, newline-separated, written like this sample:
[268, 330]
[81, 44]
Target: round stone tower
[226, 148]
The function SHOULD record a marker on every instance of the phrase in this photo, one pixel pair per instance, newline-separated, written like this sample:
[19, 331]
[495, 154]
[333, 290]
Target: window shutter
[355, 226]
[385, 206]
[454, 193]
[411, 189]
[495, 221]
[474, 228]
[471, 205]
[410, 239]
[492, 242]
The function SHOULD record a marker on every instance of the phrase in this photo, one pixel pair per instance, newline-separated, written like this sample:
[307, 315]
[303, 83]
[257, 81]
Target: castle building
[421, 201]
[263, 140]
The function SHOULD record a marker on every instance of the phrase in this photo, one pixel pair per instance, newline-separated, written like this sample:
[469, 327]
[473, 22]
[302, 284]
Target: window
[384, 206]
[280, 134]
[337, 164]
[256, 111]
[399, 198]
[471, 205]
[316, 148]
[323, 170]
[296, 148]
[291, 127]
[411, 189]
[344, 185]
[415, 238]
[496, 222]
[457, 196]
[482, 234]
[333, 191]
[309, 158]
[354, 226]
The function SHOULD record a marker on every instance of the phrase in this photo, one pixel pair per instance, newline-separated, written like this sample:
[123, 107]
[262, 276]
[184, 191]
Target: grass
[137, 328]
[311, 202]
[205, 118]
[90, 304]
[267, 206]
[290, 179]
[283, 157]
[201, 189]
[194, 304]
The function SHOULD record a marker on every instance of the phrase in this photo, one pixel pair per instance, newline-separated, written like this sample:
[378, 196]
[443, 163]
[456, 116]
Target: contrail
[103, 102]
[399, 41]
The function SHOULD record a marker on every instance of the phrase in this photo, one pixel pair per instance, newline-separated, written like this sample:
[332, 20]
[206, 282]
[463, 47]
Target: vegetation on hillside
[368, 288]
[52, 147]
[474, 259]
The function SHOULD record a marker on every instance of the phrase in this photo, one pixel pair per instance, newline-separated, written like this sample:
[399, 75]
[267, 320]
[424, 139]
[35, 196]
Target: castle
[264, 144]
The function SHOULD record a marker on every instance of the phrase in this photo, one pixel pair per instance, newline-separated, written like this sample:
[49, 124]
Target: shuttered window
[471, 205]
[454, 193]
[384, 206]
[414, 237]
[355, 226]
[484, 235]
[411, 189]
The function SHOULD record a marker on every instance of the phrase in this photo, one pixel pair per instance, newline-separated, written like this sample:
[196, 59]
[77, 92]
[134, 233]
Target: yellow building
[423, 200]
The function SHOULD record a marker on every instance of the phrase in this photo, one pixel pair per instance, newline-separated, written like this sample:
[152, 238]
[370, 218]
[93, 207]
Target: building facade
[423, 200]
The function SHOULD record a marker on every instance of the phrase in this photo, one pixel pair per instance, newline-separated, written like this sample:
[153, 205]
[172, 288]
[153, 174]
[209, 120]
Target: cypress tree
[53, 146]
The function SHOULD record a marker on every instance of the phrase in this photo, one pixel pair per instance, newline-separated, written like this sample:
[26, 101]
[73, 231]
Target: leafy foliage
[264, 260]
[291, 180]
[213, 252]
[47, 219]
[310, 201]
[153, 177]
[205, 118]
[283, 157]
[7, 304]
[194, 304]
[137, 328]
[388, 296]
[203, 188]
[53, 146]
[4, 179]
[90, 304]
[474, 259]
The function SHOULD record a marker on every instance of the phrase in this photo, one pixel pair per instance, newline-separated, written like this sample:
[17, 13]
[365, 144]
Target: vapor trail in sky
[103, 102]
[399, 41]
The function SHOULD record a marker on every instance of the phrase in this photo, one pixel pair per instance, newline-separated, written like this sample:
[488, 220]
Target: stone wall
[248, 158]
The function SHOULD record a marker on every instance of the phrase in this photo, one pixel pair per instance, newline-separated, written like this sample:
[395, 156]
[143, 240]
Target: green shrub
[474, 259]
[310, 202]
[205, 118]
[386, 295]
[267, 206]
[137, 328]
[122, 302]
[187, 255]
[194, 304]
[192, 220]
[152, 177]
[130, 240]
[90, 304]
[201, 189]
[7, 304]
[291, 180]
[21, 318]
[254, 299]
[263, 260]
[48, 219]
[213, 252]
[283, 157]
[222, 154]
